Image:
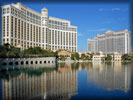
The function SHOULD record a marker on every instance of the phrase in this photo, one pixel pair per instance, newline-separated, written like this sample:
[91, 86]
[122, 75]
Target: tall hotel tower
[111, 42]
[23, 27]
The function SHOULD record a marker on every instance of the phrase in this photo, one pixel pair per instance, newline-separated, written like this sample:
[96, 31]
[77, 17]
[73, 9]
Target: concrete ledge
[17, 63]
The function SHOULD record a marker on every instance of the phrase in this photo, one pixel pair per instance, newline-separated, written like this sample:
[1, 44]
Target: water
[68, 81]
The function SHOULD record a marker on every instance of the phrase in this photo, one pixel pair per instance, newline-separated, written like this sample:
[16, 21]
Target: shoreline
[75, 61]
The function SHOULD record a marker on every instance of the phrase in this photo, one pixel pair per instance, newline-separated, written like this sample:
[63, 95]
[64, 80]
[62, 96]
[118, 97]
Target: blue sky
[90, 18]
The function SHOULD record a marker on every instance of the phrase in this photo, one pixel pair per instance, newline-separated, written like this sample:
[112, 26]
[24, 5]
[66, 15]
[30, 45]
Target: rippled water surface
[68, 81]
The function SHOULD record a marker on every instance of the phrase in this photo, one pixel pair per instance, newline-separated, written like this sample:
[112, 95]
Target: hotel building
[23, 27]
[111, 42]
[91, 45]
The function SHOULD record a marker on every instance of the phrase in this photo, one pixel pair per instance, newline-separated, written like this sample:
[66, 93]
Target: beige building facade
[111, 42]
[24, 27]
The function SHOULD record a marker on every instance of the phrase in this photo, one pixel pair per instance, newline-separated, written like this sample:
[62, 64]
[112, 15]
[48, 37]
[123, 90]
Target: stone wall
[17, 63]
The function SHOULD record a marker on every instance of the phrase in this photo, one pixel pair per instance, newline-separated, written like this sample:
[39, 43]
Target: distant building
[110, 42]
[24, 27]
[98, 57]
[117, 57]
[64, 53]
[91, 46]
[80, 53]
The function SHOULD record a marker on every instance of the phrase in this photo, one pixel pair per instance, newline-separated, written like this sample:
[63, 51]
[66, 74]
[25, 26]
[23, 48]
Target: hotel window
[36, 21]
[18, 29]
[30, 14]
[27, 44]
[7, 26]
[15, 12]
[34, 33]
[27, 18]
[3, 26]
[31, 20]
[61, 38]
[7, 10]
[39, 34]
[36, 17]
[28, 31]
[12, 26]
[4, 10]
[33, 15]
[49, 21]
[72, 39]
[11, 41]
[69, 38]
[15, 27]
[7, 40]
[18, 42]
[75, 39]
[42, 35]
[21, 29]
[55, 37]
[19, 14]
[49, 36]
[52, 36]
[39, 18]
[24, 30]
[30, 44]
[64, 38]
[52, 22]
[27, 13]
[12, 11]
[58, 37]
[15, 42]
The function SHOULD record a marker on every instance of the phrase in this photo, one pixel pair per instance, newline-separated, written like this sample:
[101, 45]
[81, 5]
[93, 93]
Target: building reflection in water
[56, 85]
[61, 83]
[111, 76]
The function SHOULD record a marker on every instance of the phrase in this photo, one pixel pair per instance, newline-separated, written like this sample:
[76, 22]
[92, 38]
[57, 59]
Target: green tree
[7, 50]
[126, 57]
[83, 56]
[75, 56]
[61, 57]
[109, 57]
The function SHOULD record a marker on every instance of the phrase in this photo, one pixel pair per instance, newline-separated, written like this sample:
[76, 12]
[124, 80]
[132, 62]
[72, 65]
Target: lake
[75, 81]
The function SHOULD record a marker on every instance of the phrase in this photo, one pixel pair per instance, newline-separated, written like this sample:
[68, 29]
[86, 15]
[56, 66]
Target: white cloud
[115, 9]
[101, 9]
[100, 30]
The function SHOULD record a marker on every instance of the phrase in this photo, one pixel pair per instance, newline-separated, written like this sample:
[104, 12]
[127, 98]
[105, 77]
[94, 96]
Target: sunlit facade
[24, 27]
[111, 42]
